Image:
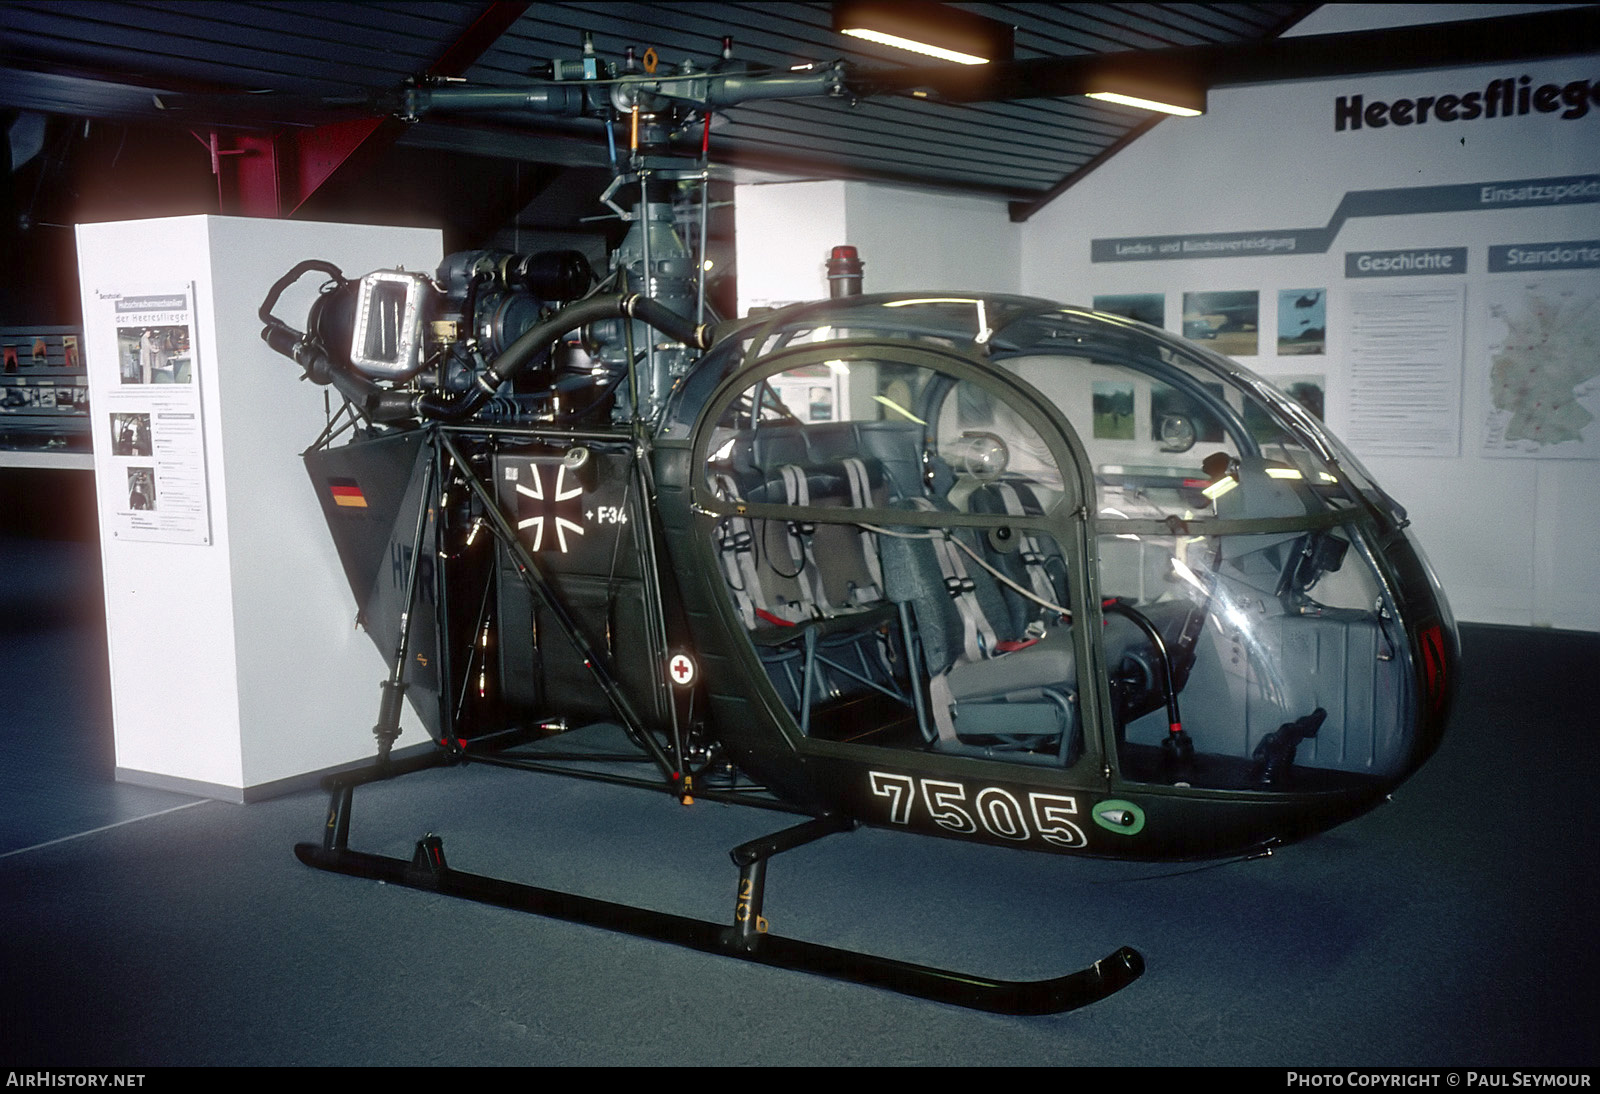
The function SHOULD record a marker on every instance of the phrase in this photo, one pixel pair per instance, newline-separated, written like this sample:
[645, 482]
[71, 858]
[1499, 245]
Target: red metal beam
[258, 182]
[318, 154]
[246, 169]
[274, 175]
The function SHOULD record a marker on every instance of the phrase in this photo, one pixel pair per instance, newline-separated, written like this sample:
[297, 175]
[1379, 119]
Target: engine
[475, 337]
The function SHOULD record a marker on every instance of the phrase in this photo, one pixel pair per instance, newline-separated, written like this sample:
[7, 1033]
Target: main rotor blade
[263, 107]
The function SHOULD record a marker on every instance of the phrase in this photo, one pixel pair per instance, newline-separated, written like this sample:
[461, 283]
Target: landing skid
[746, 939]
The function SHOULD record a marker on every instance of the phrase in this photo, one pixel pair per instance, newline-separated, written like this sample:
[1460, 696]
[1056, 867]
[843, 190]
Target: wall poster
[149, 417]
[1544, 376]
[1406, 360]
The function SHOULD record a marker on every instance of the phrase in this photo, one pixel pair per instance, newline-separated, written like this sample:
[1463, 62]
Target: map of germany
[1544, 369]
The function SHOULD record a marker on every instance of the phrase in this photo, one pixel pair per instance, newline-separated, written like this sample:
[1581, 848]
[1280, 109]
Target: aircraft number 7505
[996, 809]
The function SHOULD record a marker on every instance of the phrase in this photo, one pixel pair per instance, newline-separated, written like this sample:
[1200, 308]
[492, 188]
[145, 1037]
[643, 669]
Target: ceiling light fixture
[934, 30]
[1146, 104]
[1168, 92]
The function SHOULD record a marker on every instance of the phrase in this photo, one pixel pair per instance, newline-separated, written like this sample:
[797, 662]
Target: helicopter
[872, 560]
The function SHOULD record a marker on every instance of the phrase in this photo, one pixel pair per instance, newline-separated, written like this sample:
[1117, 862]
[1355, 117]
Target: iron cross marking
[557, 507]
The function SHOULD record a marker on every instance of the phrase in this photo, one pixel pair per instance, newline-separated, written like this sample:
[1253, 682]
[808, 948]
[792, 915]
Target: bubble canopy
[1026, 337]
[1027, 532]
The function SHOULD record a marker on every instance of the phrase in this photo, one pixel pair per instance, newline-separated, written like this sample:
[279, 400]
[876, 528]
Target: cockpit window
[1166, 440]
[887, 542]
[900, 520]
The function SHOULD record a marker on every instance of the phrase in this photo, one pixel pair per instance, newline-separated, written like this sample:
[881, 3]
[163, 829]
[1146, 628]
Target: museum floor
[1454, 926]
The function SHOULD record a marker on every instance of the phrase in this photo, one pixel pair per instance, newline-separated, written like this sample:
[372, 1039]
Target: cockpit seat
[809, 590]
[997, 683]
[894, 447]
[1032, 563]
[991, 690]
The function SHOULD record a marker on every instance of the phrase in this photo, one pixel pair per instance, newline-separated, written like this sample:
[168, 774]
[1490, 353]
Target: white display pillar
[236, 668]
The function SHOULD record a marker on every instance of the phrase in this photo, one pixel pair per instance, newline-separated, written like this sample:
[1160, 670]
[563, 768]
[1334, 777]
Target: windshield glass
[902, 492]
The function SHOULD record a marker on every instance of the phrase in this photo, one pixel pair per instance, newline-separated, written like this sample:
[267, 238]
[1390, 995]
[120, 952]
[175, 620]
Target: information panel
[149, 415]
[1405, 353]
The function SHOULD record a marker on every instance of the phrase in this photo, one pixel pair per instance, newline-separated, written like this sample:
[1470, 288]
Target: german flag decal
[347, 493]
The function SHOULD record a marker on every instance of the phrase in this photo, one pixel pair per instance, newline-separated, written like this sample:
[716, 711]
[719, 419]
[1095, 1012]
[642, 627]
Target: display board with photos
[44, 392]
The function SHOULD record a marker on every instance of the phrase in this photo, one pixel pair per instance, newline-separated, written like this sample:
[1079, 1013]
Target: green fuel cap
[1122, 817]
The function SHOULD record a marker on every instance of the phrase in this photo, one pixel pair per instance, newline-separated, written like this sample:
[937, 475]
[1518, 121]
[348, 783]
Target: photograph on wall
[11, 358]
[1308, 389]
[1544, 376]
[820, 406]
[151, 396]
[1146, 307]
[141, 489]
[1302, 322]
[69, 351]
[1227, 322]
[813, 393]
[1113, 411]
[1178, 421]
[130, 435]
[154, 355]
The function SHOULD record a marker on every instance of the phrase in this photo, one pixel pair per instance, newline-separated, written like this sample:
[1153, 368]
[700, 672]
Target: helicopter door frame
[1069, 521]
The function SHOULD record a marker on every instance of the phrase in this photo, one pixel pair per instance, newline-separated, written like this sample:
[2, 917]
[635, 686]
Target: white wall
[913, 239]
[908, 240]
[1515, 541]
[783, 234]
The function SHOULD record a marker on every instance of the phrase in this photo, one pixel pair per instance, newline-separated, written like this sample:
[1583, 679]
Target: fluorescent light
[1145, 104]
[933, 30]
[913, 46]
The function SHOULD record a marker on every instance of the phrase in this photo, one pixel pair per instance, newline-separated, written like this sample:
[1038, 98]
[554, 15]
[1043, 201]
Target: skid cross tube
[746, 939]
